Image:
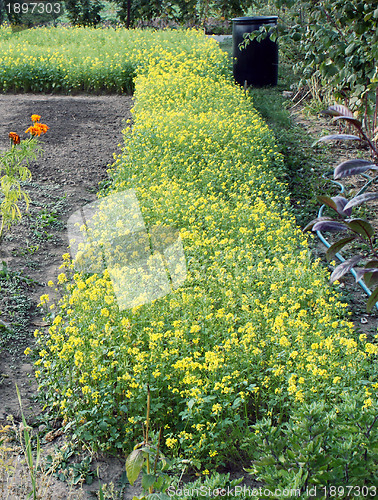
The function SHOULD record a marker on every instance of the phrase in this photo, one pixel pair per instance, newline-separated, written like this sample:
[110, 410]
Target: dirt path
[84, 133]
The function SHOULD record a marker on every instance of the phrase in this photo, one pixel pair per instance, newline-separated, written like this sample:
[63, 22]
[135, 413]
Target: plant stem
[147, 428]
[148, 411]
[157, 449]
[2, 228]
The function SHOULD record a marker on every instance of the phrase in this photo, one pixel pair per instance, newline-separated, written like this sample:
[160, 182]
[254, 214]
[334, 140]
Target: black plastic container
[258, 62]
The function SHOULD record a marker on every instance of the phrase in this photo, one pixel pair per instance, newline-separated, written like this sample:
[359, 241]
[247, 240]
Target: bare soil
[84, 134]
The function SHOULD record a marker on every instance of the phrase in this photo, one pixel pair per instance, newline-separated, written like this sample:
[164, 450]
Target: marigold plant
[13, 171]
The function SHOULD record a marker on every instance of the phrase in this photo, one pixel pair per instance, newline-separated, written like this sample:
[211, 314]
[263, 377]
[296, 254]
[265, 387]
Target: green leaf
[352, 121]
[134, 464]
[372, 300]
[159, 483]
[148, 480]
[103, 425]
[337, 246]
[361, 227]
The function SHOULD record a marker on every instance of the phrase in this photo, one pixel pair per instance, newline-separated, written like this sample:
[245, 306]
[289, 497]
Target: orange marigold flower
[35, 118]
[37, 129]
[42, 127]
[14, 137]
[32, 131]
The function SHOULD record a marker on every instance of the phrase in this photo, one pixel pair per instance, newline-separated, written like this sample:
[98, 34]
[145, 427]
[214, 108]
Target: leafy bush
[338, 43]
[14, 170]
[83, 12]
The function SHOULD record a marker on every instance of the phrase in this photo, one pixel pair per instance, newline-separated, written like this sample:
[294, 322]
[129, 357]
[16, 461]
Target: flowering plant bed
[253, 358]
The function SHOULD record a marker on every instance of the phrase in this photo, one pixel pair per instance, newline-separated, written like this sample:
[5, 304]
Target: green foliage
[13, 173]
[355, 230]
[332, 42]
[207, 487]
[328, 443]
[184, 12]
[338, 42]
[301, 166]
[84, 12]
[15, 308]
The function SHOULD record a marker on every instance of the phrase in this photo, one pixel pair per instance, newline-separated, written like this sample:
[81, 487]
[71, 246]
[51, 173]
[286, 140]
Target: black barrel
[258, 62]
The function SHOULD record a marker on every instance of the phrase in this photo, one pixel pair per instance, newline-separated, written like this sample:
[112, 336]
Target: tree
[232, 8]
[339, 43]
[84, 12]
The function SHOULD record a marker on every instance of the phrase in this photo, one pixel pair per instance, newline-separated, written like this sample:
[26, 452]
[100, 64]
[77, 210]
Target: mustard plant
[148, 459]
[254, 335]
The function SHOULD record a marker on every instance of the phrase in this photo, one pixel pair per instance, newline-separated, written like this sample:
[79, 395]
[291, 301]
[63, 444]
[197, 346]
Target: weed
[15, 306]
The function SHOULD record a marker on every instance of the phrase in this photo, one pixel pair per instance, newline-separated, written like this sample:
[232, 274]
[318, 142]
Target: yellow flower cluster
[90, 59]
[255, 329]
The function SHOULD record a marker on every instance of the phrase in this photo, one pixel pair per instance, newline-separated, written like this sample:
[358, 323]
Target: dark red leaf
[353, 167]
[326, 200]
[362, 198]
[345, 267]
[331, 226]
[340, 110]
[314, 221]
[370, 276]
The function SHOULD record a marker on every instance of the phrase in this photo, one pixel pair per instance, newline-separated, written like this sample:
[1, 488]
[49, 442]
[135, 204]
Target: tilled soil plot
[85, 132]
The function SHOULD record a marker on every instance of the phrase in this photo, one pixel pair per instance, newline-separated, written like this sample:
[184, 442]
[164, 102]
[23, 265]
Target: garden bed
[83, 136]
[246, 359]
